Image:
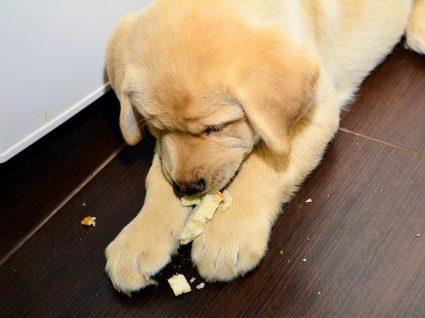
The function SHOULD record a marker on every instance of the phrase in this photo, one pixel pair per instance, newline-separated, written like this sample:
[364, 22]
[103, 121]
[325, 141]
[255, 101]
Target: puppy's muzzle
[189, 188]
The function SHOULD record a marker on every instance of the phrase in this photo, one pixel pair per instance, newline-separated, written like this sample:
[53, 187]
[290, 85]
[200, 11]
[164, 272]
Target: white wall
[52, 55]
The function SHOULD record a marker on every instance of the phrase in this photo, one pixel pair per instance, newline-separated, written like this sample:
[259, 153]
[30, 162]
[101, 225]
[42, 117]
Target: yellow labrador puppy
[243, 95]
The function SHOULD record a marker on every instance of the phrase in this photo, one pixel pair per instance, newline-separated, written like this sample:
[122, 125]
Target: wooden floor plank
[358, 237]
[391, 103]
[37, 180]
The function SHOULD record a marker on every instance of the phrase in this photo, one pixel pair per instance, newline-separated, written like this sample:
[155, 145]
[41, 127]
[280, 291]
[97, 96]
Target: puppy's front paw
[229, 247]
[135, 256]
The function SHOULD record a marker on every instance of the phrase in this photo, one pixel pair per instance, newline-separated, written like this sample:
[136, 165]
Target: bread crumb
[200, 286]
[89, 221]
[179, 284]
[192, 279]
[308, 201]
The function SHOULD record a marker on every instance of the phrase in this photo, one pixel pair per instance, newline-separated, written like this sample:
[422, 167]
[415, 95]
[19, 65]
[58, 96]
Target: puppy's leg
[235, 241]
[146, 244]
[415, 33]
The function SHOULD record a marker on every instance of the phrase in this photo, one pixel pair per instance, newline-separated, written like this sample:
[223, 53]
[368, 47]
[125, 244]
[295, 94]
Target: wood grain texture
[357, 236]
[391, 103]
[34, 182]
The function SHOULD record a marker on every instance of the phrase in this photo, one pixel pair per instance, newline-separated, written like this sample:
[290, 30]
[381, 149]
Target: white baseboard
[53, 123]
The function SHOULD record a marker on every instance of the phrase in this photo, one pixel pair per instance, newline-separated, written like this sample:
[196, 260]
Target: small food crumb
[318, 293]
[84, 203]
[200, 286]
[418, 235]
[281, 252]
[89, 221]
[192, 279]
[179, 284]
[304, 260]
[308, 201]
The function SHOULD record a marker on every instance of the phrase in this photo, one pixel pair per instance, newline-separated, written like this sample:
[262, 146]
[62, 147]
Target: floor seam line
[386, 143]
[68, 198]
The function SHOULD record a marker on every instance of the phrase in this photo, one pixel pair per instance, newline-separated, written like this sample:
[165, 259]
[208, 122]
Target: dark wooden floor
[357, 250]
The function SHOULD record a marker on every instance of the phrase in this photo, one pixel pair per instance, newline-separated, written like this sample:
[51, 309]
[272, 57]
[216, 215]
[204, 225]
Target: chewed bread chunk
[200, 216]
[89, 221]
[203, 213]
[191, 200]
[179, 284]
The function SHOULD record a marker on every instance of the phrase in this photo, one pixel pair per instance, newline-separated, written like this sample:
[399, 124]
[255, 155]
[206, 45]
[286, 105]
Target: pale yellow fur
[277, 73]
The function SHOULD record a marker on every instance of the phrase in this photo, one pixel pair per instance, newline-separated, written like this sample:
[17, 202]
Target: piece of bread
[191, 200]
[203, 213]
[179, 284]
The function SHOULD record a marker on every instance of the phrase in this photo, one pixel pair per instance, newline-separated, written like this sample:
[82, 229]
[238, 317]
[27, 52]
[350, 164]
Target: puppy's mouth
[181, 190]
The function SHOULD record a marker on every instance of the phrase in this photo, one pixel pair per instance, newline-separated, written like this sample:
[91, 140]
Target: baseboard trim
[53, 123]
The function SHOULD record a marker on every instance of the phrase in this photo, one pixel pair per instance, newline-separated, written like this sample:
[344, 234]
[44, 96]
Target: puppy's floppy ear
[277, 87]
[129, 124]
[117, 64]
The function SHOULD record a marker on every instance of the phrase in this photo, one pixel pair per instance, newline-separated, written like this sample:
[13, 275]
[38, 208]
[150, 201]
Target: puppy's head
[209, 86]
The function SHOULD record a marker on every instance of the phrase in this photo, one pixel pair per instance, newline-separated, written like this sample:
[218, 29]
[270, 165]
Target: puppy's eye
[212, 129]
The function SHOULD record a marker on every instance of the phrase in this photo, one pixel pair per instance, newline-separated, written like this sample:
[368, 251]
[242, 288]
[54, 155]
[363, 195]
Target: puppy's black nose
[189, 188]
